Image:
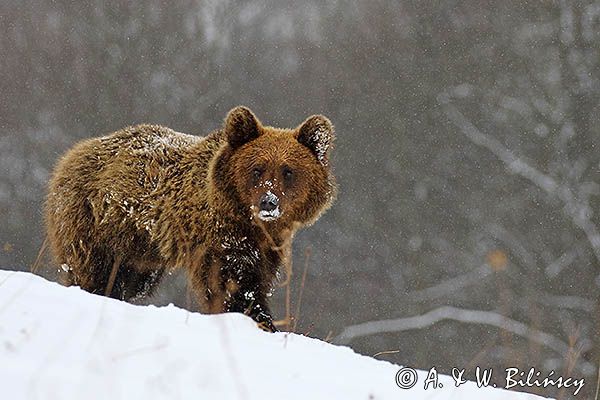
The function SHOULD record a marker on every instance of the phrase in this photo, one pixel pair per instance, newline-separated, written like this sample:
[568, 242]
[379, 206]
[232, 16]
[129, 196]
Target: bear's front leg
[255, 310]
[245, 286]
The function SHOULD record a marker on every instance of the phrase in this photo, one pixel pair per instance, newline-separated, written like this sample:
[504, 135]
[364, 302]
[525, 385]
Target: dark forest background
[468, 134]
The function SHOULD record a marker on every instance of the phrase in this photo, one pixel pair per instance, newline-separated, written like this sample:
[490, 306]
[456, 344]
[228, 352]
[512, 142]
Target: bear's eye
[288, 174]
[257, 173]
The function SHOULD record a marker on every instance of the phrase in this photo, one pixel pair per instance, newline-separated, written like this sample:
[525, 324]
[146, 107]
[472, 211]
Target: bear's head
[282, 176]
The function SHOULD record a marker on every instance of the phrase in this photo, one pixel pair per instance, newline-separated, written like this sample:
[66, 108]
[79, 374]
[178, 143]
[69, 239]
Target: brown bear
[124, 208]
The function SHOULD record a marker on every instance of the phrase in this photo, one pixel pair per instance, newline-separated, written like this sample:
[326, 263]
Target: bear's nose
[268, 202]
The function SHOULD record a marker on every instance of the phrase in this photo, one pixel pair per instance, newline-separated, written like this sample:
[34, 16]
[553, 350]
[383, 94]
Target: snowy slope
[64, 343]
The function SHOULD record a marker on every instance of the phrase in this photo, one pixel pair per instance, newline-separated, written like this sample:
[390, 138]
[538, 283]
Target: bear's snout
[268, 207]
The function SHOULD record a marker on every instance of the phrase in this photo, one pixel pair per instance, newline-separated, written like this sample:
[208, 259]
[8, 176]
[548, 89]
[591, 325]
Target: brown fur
[150, 199]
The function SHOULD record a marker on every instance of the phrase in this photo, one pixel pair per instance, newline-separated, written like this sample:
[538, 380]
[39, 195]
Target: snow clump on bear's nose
[269, 207]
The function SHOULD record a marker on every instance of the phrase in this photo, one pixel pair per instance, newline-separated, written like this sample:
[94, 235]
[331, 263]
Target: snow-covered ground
[64, 343]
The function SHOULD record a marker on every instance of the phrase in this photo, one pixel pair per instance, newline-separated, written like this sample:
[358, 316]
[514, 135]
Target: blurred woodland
[467, 229]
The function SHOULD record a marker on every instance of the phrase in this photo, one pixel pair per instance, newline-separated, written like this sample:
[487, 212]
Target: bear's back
[114, 182]
[146, 140]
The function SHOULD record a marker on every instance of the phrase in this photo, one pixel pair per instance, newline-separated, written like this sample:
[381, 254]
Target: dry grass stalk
[597, 383]
[113, 275]
[38, 259]
[379, 353]
[571, 360]
[307, 252]
[285, 252]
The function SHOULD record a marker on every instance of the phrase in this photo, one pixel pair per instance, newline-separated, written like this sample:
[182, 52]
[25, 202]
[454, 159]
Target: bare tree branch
[560, 263]
[568, 302]
[462, 315]
[451, 285]
[577, 209]
[513, 163]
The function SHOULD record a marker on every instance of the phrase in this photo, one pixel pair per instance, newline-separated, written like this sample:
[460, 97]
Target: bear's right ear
[241, 126]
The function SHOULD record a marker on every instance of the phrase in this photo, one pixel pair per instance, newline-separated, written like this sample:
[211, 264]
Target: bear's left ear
[317, 134]
[241, 126]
